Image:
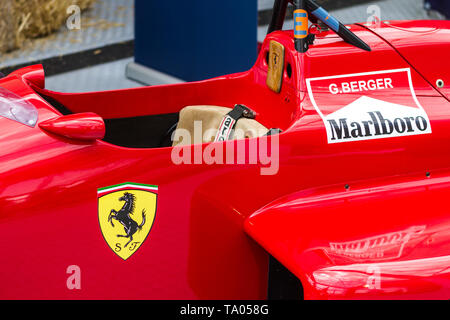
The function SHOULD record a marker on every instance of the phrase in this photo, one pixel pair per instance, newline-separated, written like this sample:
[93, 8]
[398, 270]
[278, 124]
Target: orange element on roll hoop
[300, 24]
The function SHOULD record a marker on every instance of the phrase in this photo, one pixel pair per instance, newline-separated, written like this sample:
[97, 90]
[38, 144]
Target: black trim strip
[56, 104]
[79, 60]
[283, 285]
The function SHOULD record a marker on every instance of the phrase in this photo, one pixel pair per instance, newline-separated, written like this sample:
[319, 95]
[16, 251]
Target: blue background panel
[443, 6]
[196, 39]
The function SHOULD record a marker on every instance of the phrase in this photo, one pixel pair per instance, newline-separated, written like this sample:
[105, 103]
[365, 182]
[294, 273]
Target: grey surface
[389, 10]
[103, 77]
[145, 75]
[108, 22]
[112, 75]
[265, 4]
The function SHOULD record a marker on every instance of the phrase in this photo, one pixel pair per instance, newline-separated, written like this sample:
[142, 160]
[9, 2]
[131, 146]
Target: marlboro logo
[385, 246]
[368, 106]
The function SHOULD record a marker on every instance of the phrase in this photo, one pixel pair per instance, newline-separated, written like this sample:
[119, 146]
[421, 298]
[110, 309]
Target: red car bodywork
[354, 220]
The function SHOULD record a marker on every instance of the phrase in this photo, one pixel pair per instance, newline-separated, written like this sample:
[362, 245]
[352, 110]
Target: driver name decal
[359, 86]
[368, 106]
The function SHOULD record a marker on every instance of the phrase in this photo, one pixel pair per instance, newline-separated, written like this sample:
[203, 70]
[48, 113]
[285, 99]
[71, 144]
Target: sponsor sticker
[225, 129]
[367, 106]
[126, 213]
[381, 247]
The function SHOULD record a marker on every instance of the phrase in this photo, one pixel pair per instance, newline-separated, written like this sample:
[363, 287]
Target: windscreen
[16, 108]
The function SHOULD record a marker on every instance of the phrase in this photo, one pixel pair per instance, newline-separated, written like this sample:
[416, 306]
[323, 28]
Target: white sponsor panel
[368, 106]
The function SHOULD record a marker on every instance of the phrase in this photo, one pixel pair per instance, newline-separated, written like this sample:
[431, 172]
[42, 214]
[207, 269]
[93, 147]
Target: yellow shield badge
[126, 213]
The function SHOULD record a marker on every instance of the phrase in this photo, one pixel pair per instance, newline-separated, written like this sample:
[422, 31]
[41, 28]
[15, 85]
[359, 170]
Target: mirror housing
[81, 126]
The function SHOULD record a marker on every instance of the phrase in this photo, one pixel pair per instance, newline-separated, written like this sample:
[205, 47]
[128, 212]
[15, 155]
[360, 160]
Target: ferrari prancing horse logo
[126, 213]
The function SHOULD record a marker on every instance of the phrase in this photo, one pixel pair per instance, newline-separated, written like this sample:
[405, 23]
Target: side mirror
[80, 126]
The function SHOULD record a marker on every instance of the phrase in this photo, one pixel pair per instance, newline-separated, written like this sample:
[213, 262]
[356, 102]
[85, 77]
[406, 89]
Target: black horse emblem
[124, 217]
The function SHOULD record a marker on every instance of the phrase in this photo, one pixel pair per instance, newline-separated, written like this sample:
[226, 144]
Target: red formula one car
[321, 173]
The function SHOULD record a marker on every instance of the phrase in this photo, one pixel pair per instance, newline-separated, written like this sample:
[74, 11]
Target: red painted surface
[197, 248]
[81, 126]
[380, 239]
[425, 46]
